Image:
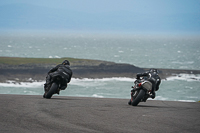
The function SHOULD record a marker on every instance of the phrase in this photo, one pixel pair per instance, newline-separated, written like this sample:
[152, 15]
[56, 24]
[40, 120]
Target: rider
[62, 70]
[152, 76]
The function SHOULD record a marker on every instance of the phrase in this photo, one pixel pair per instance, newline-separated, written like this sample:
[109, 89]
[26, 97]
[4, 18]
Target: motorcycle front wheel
[52, 90]
[138, 98]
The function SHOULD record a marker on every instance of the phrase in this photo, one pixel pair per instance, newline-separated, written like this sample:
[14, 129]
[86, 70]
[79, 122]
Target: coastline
[22, 69]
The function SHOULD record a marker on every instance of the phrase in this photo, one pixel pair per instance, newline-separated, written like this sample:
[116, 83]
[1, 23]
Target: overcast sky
[148, 7]
[152, 6]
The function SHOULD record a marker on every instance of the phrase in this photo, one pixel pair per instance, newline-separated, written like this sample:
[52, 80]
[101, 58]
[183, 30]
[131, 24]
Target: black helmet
[153, 70]
[66, 62]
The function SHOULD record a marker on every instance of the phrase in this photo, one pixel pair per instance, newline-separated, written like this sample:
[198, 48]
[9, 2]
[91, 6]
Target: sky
[180, 16]
[145, 6]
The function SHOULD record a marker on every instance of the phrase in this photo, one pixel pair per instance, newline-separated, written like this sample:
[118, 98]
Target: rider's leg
[47, 84]
[153, 94]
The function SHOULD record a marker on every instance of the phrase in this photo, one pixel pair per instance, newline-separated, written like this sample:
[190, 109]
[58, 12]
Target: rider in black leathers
[152, 76]
[62, 70]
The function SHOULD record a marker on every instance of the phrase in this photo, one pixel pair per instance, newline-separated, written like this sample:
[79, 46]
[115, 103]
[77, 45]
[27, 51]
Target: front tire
[129, 102]
[52, 91]
[138, 98]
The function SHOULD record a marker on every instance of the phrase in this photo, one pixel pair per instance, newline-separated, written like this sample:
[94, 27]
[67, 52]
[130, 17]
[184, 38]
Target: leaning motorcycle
[140, 92]
[54, 87]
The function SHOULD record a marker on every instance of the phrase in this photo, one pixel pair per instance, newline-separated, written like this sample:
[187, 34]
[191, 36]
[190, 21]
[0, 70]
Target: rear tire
[138, 98]
[52, 91]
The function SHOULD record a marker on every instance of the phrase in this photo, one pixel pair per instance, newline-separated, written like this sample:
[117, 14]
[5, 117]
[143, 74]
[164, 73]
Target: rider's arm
[141, 75]
[54, 69]
[70, 76]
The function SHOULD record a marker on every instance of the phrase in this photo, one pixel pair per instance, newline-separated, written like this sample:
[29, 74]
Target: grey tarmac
[33, 114]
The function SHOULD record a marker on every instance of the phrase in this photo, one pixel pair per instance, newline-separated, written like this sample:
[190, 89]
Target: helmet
[154, 70]
[66, 62]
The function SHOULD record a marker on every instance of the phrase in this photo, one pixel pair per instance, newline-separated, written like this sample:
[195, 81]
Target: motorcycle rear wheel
[138, 98]
[52, 90]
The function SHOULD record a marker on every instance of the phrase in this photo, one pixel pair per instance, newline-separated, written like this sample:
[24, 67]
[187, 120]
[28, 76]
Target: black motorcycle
[54, 88]
[140, 92]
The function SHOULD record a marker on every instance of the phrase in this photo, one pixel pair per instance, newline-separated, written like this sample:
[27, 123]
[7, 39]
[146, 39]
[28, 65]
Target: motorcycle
[140, 92]
[54, 87]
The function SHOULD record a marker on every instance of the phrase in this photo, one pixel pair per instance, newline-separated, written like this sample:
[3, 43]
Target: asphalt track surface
[33, 114]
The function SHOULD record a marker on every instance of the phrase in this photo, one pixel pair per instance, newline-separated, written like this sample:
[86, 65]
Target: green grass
[23, 61]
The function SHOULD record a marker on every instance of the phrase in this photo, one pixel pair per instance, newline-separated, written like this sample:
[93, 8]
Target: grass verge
[23, 61]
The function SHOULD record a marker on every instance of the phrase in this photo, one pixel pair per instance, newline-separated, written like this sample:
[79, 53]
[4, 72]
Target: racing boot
[57, 91]
[153, 95]
[46, 89]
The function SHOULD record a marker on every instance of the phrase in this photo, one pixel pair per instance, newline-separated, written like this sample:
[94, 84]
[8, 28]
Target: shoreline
[30, 80]
[22, 69]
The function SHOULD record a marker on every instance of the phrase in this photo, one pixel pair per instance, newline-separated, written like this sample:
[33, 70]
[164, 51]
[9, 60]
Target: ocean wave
[186, 77]
[98, 82]
[74, 81]
[161, 98]
[98, 96]
[11, 83]
[105, 79]
[186, 100]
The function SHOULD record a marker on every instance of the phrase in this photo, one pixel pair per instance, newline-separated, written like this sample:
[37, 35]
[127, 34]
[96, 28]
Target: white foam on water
[98, 96]
[11, 83]
[104, 79]
[159, 98]
[110, 87]
[186, 100]
[186, 77]
[168, 99]
[98, 82]
[74, 81]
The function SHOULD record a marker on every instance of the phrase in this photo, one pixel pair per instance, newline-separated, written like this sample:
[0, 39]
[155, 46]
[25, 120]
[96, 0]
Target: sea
[147, 51]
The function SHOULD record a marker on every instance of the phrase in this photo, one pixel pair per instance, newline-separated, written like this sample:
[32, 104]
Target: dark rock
[38, 72]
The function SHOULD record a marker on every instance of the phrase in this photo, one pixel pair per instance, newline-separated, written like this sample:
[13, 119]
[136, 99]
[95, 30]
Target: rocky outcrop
[106, 70]
[38, 71]
[81, 69]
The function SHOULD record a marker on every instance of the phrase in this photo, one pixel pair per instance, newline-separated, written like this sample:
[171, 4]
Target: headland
[24, 69]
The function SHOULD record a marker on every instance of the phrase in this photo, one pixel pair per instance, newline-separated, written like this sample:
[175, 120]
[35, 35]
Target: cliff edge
[24, 69]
